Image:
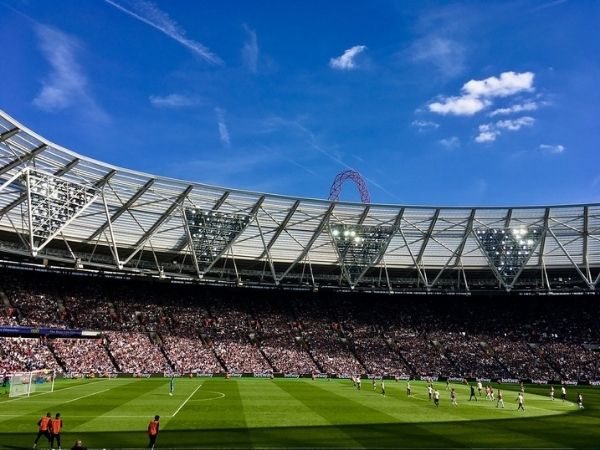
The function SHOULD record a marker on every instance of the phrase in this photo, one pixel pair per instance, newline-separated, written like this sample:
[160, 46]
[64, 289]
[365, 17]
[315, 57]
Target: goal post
[26, 383]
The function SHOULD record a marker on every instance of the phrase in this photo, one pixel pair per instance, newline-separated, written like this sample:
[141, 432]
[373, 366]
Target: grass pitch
[243, 413]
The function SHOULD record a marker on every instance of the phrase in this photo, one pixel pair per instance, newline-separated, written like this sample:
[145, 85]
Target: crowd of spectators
[520, 360]
[471, 355]
[574, 361]
[83, 355]
[136, 353]
[377, 354]
[420, 353]
[190, 355]
[25, 354]
[283, 345]
[160, 327]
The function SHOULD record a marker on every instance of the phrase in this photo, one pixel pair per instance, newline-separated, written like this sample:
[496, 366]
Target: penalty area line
[185, 401]
[85, 396]
[37, 394]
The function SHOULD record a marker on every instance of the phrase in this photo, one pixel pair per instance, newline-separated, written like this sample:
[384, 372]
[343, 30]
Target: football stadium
[245, 319]
[140, 310]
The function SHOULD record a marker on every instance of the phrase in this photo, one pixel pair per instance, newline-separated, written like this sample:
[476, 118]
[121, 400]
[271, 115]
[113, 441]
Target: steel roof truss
[584, 278]
[267, 252]
[67, 168]
[113, 241]
[23, 159]
[586, 233]
[8, 134]
[422, 276]
[280, 228]
[543, 239]
[312, 240]
[459, 250]
[125, 206]
[148, 234]
[428, 235]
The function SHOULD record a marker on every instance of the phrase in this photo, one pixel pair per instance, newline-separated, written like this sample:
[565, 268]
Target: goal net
[26, 383]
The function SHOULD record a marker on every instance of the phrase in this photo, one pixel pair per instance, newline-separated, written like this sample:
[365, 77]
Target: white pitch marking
[186, 400]
[50, 392]
[221, 395]
[85, 396]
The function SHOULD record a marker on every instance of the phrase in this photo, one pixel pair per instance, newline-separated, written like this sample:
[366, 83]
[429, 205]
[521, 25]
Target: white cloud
[450, 143]
[516, 124]
[171, 101]
[554, 149]
[459, 106]
[490, 131]
[150, 14]
[223, 131]
[424, 125]
[66, 86]
[478, 94]
[347, 60]
[513, 109]
[509, 83]
[487, 133]
[445, 54]
[250, 51]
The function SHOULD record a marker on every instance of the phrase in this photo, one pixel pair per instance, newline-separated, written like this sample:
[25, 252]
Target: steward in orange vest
[55, 430]
[153, 427]
[43, 428]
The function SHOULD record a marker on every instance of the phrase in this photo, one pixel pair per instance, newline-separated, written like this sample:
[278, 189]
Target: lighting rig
[53, 204]
[508, 249]
[212, 232]
[359, 247]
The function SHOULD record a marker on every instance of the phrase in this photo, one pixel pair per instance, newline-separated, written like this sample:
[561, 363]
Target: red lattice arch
[340, 179]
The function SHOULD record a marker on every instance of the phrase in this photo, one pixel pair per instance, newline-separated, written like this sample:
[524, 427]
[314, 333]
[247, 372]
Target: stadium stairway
[264, 355]
[488, 347]
[110, 355]
[443, 350]
[5, 299]
[58, 359]
[397, 351]
[352, 349]
[219, 359]
[310, 353]
[9, 304]
[157, 340]
[535, 349]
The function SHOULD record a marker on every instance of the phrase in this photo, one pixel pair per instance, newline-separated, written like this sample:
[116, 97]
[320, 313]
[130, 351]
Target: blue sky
[465, 103]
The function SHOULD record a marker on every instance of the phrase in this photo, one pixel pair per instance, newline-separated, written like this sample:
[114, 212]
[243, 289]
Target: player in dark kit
[57, 425]
[580, 400]
[44, 428]
[153, 427]
[472, 396]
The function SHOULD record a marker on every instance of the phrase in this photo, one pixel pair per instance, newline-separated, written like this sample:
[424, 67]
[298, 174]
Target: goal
[26, 383]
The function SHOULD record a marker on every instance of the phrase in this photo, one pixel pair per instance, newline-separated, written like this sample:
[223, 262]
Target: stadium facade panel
[60, 208]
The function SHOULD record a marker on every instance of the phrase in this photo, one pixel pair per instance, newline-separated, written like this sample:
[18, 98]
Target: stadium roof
[60, 207]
